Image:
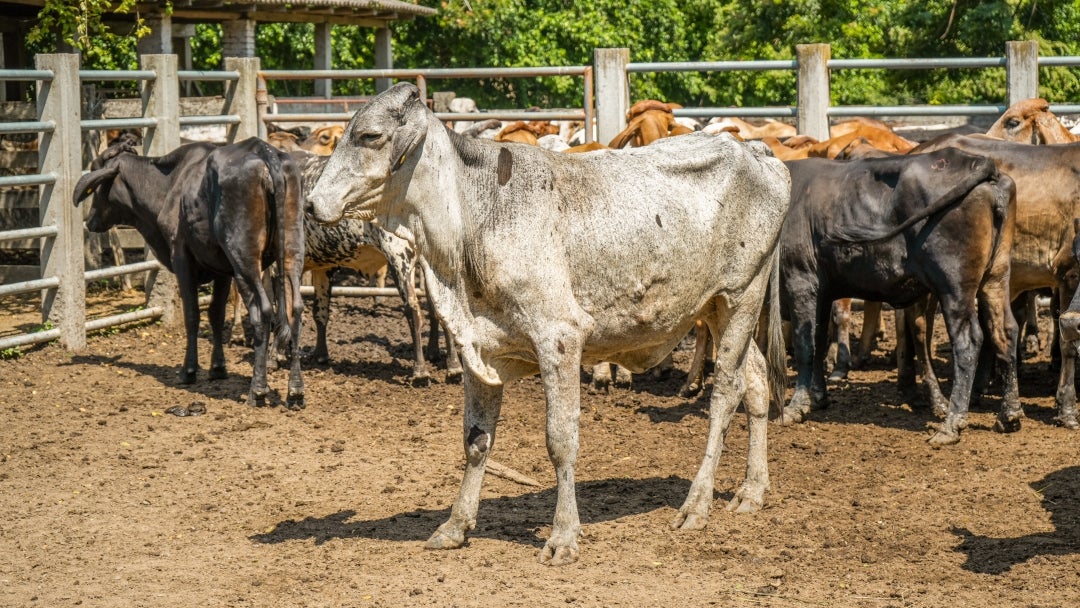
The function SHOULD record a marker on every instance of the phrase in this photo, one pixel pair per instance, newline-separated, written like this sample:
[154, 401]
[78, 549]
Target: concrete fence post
[612, 91]
[59, 153]
[1022, 70]
[812, 116]
[161, 100]
[241, 97]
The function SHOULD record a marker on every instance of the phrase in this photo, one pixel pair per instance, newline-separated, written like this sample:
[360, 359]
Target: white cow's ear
[406, 139]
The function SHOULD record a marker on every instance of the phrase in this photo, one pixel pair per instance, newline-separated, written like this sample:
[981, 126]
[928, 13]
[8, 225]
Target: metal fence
[814, 66]
[245, 113]
[421, 76]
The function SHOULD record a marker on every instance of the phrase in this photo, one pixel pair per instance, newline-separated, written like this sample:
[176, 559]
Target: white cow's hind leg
[735, 327]
[751, 496]
[482, 406]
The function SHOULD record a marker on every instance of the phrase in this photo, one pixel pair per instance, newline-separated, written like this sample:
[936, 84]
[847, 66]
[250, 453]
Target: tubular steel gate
[63, 276]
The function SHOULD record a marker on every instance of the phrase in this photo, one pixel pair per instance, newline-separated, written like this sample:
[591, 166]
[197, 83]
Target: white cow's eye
[370, 138]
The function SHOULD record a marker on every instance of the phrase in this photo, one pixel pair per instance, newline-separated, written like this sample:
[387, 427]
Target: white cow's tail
[776, 357]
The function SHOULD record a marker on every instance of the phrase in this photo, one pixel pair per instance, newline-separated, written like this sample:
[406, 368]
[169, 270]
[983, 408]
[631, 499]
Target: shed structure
[171, 30]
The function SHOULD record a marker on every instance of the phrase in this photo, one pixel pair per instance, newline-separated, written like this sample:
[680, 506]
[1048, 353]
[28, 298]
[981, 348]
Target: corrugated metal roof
[379, 6]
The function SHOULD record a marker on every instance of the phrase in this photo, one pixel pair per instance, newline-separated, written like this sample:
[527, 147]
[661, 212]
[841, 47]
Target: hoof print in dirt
[197, 408]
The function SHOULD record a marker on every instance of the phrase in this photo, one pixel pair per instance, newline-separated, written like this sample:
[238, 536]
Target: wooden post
[59, 153]
[241, 97]
[1022, 70]
[161, 100]
[612, 91]
[813, 84]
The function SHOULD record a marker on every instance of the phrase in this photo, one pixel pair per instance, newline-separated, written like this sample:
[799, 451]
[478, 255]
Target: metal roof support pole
[812, 116]
[1022, 70]
[323, 55]
[161, 101]
[384, 57]
[59, 153]
[612, 91]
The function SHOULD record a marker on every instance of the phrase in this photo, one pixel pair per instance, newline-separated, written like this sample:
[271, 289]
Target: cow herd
[541, 262]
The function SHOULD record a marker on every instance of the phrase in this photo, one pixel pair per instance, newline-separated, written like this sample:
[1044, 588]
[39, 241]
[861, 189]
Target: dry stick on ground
[506, 472]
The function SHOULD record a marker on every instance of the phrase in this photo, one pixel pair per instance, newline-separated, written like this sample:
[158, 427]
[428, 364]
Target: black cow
[896, 230]
[214, 213]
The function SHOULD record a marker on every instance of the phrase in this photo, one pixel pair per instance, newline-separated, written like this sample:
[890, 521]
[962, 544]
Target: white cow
[540, 261]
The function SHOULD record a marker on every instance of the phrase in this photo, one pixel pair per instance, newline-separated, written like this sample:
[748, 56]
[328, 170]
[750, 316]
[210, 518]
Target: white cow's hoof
[552, 555]
[445, 539]
[686, 520]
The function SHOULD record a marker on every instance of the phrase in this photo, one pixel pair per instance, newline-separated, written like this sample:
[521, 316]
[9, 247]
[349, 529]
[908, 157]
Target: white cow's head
[380, 144]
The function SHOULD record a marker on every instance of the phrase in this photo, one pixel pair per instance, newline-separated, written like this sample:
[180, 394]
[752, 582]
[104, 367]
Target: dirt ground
[107, 500]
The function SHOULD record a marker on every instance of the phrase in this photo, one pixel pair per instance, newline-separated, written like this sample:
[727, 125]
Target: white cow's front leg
[482, 405]
[560, 359]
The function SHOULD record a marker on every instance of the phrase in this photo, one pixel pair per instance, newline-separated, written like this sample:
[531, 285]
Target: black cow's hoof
[1007, 425]
[187, 376]
[254, 400]
[689, 390]
[218, 373]
[420, 380]
[295, 402]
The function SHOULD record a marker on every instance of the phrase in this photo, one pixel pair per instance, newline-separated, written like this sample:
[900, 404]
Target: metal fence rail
[585, 114]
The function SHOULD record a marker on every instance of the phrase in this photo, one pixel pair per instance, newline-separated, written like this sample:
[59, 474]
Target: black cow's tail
[868, 234]
[281, 186]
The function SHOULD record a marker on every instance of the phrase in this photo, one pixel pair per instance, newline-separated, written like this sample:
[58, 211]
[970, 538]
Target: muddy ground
[107, 500]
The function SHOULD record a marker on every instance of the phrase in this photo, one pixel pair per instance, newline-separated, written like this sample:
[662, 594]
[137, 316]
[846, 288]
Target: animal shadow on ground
[516, 519]
[1060, 492]
[227, 388]
[698, 406]
[879, 403]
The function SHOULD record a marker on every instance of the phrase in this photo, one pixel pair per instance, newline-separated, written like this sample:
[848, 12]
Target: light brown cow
[522, 132]
[323, 140]
[746, 130]
[648, 121]
[1031, 122]
[882, 139]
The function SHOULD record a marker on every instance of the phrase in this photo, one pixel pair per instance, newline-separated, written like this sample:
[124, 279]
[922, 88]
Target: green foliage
[529, 33]
[79, 24]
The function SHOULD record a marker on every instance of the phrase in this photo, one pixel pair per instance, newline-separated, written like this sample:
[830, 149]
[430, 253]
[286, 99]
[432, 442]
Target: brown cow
[1031, 122]
[648, 121]
[1047, 200]
[323, 140]
[746, 130]
[527, 132]
[882, 139]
